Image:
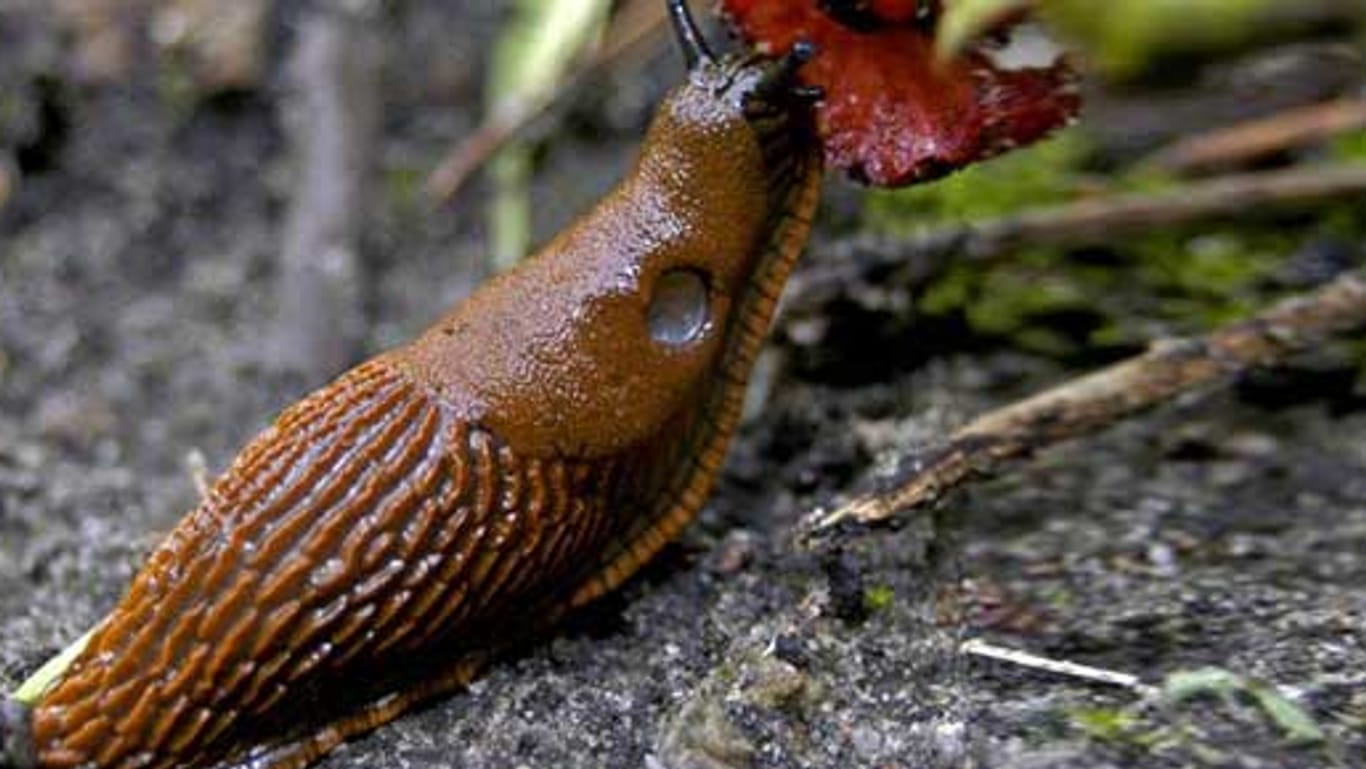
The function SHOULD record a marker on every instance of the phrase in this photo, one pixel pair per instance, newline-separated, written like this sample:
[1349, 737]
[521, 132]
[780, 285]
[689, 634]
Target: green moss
[1350, 147]
[1182, 282]
[1010, 298]
[1105, 724]
[1205, 280]
[176, 84]
[1042, 174]
[1346, 221]
[1123, 728]
[996, 301]
[1168, 281]
[1060, 598]
[403, 187]
[1048, 301]
[726, 673]
[878, 598]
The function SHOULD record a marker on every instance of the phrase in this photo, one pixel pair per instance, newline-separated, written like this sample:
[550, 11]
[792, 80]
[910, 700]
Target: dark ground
[135, 286]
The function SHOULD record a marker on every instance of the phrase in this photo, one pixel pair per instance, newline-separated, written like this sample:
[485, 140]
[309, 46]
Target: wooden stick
[334, 129]
[1096, 221]
[914, 260]
[1086, 405]
[1258, 138]
[976, 647]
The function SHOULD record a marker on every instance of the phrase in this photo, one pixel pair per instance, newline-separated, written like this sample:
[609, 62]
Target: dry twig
[1086, 405]
[914, 260]
[336, 79]
[976, 647]
[1258, 138]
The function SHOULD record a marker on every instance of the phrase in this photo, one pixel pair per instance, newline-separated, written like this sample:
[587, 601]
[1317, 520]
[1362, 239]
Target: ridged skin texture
[526, 454]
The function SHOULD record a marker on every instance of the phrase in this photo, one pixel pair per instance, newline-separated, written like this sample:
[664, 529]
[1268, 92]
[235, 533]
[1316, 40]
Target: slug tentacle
[690, 39]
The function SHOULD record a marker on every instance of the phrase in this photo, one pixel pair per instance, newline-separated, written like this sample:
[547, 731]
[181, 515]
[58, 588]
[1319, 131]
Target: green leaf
[966, 20]
[540, 41]
[1186, 685]
[1299, 728]
[535, 50]
[1123, 38]
[31, 690]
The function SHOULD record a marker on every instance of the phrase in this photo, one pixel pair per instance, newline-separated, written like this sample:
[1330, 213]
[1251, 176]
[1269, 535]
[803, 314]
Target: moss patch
[1101, 301]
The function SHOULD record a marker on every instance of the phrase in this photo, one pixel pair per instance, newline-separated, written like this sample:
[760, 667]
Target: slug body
[526, 454]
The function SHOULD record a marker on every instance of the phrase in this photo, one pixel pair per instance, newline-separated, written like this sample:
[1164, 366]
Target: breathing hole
[678, 309]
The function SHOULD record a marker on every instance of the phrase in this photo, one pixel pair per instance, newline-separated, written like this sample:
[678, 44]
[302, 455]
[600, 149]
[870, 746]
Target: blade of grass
[33, 688]
[530, 60]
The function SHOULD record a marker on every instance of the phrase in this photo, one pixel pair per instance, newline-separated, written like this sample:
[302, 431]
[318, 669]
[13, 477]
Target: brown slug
[527, 453]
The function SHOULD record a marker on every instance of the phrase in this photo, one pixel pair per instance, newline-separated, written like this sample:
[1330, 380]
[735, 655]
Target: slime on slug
[388, 534]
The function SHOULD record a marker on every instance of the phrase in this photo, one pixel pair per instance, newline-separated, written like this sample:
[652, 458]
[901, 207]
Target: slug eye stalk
[690, 39]
[781, 78]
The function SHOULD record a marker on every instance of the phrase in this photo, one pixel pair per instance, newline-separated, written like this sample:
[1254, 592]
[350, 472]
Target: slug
[527, 453]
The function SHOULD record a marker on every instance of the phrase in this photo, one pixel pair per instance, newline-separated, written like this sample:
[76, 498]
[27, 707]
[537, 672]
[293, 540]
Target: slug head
[624, 321]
